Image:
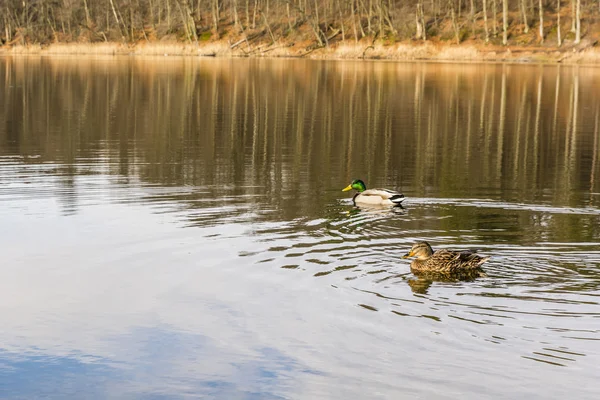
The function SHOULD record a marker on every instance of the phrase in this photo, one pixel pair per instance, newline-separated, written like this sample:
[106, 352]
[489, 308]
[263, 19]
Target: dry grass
[182, 49]
[349, 51]
[418, 51]
[19, 49]
[588, 56]
[464, 53]
[407, 51]
[86, 48]
[69, 49]
[150, 48]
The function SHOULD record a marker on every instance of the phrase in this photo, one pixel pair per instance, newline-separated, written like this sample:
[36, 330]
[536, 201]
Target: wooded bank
[311, 24]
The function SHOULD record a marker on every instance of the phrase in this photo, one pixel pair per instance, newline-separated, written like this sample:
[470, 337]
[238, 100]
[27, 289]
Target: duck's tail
[482, 260]
[397, 199]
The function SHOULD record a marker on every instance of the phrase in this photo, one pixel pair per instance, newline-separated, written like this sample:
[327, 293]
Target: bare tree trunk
[360, 25]
[541, 12]
[248, 13]
[495, 13]
[423, 23]
[386, 16]
[152, 19]
[188, 34]
[7, 31]
[269, 28]
[159, 9]
[87, 13]
[380, 18]
[131, 23]
[455, 25]
[289, 16]
[168, 15]
[341, 20]
[191, 23]
[254, 14]
[472, 17]
[369, 17]
[53, 25]
[558, 37]
[485, 22]
[504, 22]
[215, 15]
[315, 26]
[419, 33]
[352, 8]
[112, 4]
[236, 18]
[578, 26]
[524, 16]
[317, 21]
[573, 12]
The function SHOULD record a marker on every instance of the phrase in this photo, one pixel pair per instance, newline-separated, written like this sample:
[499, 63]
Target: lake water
[175, 228]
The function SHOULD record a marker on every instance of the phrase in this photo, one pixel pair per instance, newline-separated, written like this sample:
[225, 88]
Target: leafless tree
[42, 21]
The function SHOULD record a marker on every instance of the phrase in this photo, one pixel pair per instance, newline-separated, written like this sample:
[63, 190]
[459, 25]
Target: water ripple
[526, 287]
[541, 285]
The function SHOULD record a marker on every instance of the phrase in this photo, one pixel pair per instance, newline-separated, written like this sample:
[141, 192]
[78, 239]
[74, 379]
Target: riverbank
[350, 50]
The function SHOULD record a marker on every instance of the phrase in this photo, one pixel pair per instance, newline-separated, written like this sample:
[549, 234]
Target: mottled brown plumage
[442, 260]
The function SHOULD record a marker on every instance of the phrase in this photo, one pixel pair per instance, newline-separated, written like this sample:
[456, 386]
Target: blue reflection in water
[156, 370]
[35, 376]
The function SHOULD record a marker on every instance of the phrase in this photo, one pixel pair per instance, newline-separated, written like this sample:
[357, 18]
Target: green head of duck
[357, 185]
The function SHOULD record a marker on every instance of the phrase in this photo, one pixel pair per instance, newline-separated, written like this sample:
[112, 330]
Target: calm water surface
[175, 228]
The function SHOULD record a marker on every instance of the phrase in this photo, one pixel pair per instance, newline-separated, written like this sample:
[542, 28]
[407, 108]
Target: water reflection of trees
[284, 128]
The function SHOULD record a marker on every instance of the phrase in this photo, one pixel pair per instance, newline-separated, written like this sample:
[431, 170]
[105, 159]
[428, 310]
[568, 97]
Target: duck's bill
[349, 187]
[407, 255]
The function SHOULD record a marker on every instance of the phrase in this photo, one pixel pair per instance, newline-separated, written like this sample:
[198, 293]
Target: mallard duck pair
[442, 261]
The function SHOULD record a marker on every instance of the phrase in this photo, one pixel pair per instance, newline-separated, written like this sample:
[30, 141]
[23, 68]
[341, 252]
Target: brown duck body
[445, 261]
[449, 261]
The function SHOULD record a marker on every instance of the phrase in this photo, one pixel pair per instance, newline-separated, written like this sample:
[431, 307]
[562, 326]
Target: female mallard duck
[373, 197]
[442, 260]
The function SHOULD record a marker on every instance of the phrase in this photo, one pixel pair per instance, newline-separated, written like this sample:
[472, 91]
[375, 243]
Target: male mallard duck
[374, 197]
[442, 260]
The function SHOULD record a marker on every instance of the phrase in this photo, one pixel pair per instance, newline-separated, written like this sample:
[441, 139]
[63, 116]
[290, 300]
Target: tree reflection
[289, 131]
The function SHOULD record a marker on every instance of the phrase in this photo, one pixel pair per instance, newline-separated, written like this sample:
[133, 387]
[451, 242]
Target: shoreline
[363, 50]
